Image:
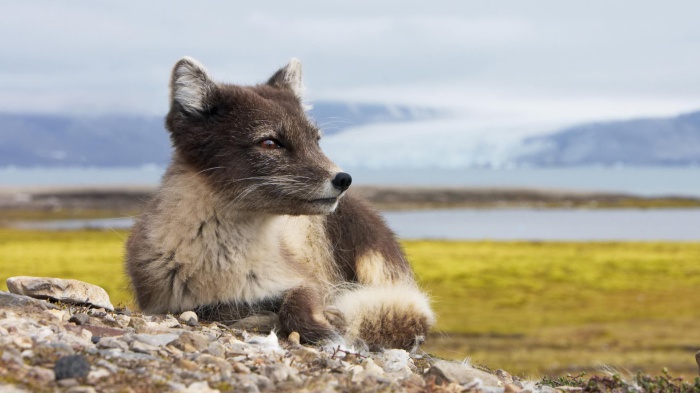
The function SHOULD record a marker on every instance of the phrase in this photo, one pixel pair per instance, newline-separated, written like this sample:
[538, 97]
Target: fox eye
[270, 144]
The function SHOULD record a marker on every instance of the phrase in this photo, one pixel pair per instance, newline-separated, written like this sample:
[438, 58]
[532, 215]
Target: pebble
[222, 364]
[80, 319]
[44, 375]
[138, 346]
[294, 338]
[215, 348]
[74, 366]
[187, 364]
[68, 382]
[192, 342]
[157, 340]
[240, 368]
[81, 389]
[199, 387]
[189, 318]
[94, 376]
[112, 342]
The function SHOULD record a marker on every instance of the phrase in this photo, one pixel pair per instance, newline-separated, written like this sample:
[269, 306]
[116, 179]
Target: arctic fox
[252, 218]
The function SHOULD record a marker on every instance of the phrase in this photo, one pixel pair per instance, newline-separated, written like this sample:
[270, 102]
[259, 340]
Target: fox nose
[342, 181]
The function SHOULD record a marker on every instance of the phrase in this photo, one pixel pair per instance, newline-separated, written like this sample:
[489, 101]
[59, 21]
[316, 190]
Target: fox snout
[342, 181]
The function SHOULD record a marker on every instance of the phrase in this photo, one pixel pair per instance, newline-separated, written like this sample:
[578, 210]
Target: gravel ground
[47, 347]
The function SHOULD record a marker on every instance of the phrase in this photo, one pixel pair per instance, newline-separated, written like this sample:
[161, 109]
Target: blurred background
[539, 160]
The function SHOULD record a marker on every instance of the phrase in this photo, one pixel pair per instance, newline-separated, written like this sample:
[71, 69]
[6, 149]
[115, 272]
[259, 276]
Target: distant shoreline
[40, 202]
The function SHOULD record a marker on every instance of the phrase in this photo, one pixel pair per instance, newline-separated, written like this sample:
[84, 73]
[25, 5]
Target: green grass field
[532, 308]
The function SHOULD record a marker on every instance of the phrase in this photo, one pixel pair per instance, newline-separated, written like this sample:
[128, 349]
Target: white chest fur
[212, 256]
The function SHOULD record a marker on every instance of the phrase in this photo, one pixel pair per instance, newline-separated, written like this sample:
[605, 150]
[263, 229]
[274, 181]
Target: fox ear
[191, 87]
[289, 77]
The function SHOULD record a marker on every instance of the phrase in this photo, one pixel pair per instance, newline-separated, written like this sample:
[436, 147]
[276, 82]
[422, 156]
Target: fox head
[254, 145]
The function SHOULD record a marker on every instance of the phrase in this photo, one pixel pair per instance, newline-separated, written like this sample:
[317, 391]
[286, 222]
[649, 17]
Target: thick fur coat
[253, 219]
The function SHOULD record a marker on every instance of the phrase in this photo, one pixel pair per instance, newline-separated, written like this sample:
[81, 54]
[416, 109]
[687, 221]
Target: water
[504, 224]
[574, 225]
[642, 181]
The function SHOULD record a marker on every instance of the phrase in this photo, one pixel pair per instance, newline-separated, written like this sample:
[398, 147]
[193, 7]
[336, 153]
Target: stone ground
[47, 347]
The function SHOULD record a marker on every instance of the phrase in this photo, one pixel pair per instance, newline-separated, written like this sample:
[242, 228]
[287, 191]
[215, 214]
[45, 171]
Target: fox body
[253, 219]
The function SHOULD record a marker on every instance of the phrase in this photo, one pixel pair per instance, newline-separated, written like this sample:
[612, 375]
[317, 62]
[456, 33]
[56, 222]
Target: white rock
[69, 291]
[123, 320]
[199, 387]
[98, 374]
[186, 316]
[138, 346]
[157, 340]
[112, 342]
[463, 374]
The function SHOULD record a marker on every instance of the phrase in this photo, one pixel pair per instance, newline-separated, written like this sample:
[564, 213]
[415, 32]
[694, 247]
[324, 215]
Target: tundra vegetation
[532, 308]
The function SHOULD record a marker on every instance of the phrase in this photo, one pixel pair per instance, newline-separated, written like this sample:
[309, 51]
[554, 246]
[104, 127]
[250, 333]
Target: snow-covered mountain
[670, 141]
[372, 136]
[465, 143]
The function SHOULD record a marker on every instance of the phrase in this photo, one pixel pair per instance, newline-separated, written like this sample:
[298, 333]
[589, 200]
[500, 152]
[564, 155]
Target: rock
[122, 320]
[294, 338]
[157, 340]
[138, 346]
[80, 319]
[280, 373]
[187, 364]
[188, 340]
[169, 322]
[11, 300]
[200, 387]
[74, 366]
[68, 382]
[222, 364]
[216, 348]
[139, 324]
[112, 342]
[446, 372]
[81, 389]
[99, 331]
[189, 318]
[68, 291]
[44, 375]
[94, 376]
[240, 368]
[368, 369]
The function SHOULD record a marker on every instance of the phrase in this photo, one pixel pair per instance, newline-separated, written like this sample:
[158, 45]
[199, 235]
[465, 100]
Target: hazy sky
[549, 60]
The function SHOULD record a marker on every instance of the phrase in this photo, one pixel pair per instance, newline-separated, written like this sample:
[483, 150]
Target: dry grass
[557, 307]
